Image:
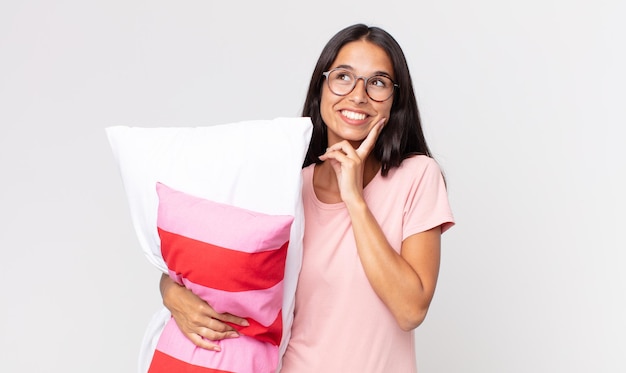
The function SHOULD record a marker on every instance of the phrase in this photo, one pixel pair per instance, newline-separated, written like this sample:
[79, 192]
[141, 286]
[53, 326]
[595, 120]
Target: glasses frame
[356, 80]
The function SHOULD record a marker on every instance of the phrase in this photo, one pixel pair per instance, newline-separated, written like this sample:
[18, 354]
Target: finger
[203, 343]
[209, 311]
[368, 144]
[203, 316]
[213, 335]
[205, 326]
[340, 148]
[338, 155]
[227, 317]
[217, 326]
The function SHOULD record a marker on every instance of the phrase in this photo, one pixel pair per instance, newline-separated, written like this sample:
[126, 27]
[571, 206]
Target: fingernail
[245, 323]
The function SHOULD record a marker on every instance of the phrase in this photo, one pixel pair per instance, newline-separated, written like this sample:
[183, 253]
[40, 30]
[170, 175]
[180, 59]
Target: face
[351, 117]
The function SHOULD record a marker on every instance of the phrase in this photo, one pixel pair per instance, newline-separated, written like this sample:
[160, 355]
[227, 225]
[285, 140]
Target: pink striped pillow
[235, 259]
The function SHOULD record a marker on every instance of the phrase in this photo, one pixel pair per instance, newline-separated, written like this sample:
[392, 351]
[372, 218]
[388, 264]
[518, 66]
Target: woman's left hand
[349, 163]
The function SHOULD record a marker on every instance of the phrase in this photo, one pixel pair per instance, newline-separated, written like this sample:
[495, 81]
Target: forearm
[167, 286]
[399, 283]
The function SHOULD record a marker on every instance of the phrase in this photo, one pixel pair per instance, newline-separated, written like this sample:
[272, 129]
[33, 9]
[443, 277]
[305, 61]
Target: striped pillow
[234, 259]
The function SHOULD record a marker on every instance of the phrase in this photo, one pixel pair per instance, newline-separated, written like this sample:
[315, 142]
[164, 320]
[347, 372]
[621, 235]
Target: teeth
[352, 115]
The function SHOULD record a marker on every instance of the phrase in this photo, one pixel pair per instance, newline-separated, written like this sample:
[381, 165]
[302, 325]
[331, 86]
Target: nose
[359, 92]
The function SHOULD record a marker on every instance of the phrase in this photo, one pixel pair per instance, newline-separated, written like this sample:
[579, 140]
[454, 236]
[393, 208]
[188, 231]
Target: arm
[196, 319]
[405, 282]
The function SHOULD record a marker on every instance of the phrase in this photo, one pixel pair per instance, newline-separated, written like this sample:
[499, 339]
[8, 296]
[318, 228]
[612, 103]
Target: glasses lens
[378, 87]
[341, 82]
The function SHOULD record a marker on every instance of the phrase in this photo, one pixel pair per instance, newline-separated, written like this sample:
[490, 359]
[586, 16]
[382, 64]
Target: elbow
[412, 319]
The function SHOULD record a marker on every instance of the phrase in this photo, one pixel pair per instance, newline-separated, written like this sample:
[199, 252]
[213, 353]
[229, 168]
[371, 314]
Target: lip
[354, 117]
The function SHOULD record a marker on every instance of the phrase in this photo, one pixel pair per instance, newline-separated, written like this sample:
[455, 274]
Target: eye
[342, 76]
[379, 81]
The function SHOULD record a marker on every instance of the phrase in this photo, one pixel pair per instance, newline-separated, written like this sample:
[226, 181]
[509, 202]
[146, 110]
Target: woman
[375, 206]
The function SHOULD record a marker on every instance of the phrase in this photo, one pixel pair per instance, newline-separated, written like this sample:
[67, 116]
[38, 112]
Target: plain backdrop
[523, 104]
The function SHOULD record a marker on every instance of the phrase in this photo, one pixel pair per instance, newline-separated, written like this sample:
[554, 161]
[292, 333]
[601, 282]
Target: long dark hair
[402, 136]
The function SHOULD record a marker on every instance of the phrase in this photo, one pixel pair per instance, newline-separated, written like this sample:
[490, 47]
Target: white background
[523, 104]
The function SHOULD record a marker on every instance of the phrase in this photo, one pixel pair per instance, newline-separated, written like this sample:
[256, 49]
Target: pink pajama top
[340, 324]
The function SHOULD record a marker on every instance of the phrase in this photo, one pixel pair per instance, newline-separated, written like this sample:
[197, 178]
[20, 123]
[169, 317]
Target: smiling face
[351, 117]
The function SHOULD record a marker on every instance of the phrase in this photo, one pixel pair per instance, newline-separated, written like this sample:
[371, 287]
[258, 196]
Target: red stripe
[164, 363]
[271, 334]
[221, 268]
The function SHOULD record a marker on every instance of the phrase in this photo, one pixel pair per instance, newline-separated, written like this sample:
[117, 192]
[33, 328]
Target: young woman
[375, 206]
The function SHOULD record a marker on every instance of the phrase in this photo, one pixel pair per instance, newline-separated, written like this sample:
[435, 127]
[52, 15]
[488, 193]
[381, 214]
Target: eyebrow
[348, 67]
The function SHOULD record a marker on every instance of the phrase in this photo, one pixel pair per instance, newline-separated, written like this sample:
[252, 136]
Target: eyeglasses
[378, 87]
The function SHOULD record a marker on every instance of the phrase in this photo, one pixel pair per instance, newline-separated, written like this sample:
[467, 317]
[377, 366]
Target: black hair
[402, 135]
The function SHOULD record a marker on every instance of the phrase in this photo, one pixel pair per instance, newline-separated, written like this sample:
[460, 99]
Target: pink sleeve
[427, 204]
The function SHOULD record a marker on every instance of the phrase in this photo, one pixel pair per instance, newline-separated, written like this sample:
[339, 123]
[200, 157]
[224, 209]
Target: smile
[352, 115]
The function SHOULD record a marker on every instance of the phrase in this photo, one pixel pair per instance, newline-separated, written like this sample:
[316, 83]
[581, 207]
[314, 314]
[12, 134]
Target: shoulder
[414, 172]
[417, 172]
[307, 177]
[419, 164]
[420, 160]
[308, 170]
